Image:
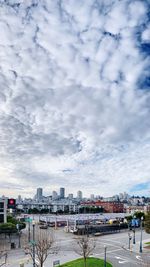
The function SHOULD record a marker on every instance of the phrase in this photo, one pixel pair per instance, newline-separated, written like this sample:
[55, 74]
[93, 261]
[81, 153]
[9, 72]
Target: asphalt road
[66, 243]
[119, 254]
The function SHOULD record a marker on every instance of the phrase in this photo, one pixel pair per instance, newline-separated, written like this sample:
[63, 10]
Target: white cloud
[70, 95]
[146, 34]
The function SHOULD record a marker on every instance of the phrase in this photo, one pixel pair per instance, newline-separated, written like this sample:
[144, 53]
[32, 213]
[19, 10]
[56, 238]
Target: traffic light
[11, 203]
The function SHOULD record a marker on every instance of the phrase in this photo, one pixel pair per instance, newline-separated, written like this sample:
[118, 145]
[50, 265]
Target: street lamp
[119, 226]
[134, 217]
[130, 237]
[105, 249]
[29, 238]
[19, 234]
[33, 242]
[141, 249]
[87, 230]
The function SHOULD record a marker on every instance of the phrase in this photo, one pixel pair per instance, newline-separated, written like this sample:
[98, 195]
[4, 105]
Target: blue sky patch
[141, 186]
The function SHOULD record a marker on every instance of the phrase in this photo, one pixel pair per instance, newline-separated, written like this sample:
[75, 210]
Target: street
[117, 250]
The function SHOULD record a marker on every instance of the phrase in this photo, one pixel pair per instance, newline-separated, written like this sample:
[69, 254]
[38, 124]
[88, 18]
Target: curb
[135, 251]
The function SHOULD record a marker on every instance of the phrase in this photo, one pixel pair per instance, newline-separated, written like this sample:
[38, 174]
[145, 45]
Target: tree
[33, 211]
[139, 214]
[14, 221]
[147, 223]
[7, 228]
[44, 211]
[3, 258]
[41, 246]
[90, 209]
[129, 218]
[85, 247]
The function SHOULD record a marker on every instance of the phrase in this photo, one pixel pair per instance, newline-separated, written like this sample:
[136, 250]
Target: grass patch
[91, 262]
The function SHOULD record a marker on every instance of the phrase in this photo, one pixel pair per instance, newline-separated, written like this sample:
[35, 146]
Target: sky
[74, 96]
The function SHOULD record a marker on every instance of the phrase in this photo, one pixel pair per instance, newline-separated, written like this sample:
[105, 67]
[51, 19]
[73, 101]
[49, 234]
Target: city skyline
[74, 99]
[40, 193]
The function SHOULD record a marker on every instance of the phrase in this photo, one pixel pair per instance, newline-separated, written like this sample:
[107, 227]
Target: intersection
[117, 250]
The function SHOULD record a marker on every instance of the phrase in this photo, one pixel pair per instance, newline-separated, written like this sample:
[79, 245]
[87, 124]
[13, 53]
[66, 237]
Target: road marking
[109, 251]
[130, 260]
[139, 258]
[108, 244]
[115, 250]
[111, 240]
[122, 262]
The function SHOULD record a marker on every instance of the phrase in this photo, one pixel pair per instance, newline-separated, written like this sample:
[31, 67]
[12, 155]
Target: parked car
[97, 234]
[44, 226]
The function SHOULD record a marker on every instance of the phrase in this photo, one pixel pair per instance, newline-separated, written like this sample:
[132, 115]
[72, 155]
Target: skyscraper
[79, 195]
[70, 196]
[62, 192]
[54, 195]
[39, 193]
[19, 199]
[92, 196]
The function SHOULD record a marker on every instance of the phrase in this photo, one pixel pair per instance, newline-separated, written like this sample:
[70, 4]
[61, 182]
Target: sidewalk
[136, 247]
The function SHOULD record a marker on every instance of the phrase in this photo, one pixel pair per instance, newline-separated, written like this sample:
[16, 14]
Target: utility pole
[141, 248]
[130, 237]
[134, 229]
[19, 234]
[29, 235]
[105, 249]
[33, 242]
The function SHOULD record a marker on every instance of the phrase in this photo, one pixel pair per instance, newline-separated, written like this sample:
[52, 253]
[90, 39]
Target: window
[1, 206]
[1, 218]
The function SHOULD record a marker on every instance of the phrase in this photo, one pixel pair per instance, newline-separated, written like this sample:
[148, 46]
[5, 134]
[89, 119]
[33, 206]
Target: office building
[39, 194]
[54, 195]
[19, 199]
[92, 196]
[70, 196]
[79, 195]
[62, 192]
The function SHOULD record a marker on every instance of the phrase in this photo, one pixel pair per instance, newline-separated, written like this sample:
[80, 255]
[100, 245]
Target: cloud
[75, 94]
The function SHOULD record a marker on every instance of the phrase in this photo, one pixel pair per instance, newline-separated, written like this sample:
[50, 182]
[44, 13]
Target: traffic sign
[28, 219]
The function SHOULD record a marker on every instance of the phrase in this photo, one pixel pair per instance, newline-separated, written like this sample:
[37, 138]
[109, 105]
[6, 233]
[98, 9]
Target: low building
[133, 209]
[112, 207]
[62, 205]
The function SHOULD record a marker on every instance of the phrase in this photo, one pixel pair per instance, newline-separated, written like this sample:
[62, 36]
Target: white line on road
[109, 251]
[108, 244]
[130, 260]
[139, 258]
[121, 260]
[111, 240]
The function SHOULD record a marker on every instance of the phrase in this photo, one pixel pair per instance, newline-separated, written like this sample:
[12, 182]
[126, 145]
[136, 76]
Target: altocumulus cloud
[74, 79]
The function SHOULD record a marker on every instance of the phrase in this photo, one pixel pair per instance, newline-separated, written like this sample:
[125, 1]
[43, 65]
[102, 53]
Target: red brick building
[112, 207]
